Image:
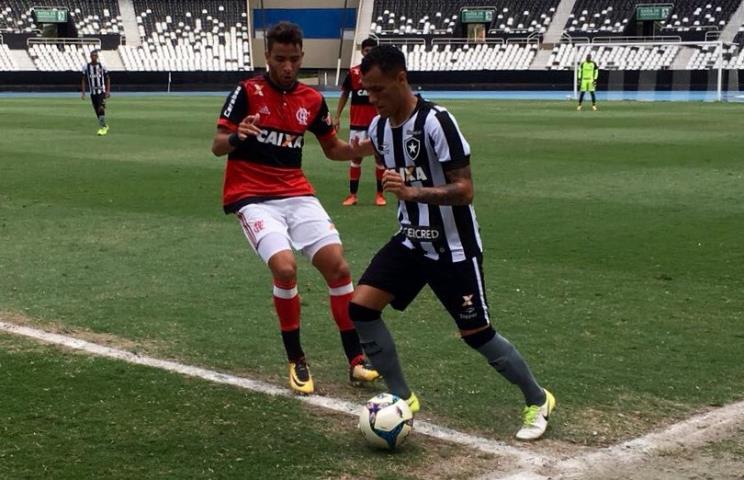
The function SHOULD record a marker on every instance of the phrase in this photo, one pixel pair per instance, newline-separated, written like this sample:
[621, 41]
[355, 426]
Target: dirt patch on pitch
[420, 457]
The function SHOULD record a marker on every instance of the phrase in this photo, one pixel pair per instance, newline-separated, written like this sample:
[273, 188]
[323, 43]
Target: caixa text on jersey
[280, 139]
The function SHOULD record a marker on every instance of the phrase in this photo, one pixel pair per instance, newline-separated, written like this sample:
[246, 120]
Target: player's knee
[335, 270]
[359, 313]
[285, 272]
[341, 271]
[477, 339]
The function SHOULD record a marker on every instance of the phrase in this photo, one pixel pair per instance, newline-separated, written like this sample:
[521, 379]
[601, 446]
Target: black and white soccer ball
[386, 421]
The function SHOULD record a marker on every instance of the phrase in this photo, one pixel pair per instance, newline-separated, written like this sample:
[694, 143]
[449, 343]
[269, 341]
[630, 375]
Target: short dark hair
[385, 57]
[284, 32]
[369, 42]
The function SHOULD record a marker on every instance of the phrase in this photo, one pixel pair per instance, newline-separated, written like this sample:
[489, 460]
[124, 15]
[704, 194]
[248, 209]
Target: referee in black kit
[427, 162]
[99, 85]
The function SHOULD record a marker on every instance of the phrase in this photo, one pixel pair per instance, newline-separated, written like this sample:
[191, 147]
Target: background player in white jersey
[99, 84]
[427, 164]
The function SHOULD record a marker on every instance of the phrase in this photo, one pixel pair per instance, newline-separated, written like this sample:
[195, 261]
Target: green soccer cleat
[413, 403]
[535, 419]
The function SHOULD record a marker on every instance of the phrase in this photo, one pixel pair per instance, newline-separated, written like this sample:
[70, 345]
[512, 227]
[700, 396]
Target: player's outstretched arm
[458, 192]
[336, 149]
[341, 104]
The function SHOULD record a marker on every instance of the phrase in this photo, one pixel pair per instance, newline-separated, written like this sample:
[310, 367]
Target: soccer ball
[385, 421]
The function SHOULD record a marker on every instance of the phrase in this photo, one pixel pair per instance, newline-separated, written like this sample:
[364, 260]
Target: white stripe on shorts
[480, 289]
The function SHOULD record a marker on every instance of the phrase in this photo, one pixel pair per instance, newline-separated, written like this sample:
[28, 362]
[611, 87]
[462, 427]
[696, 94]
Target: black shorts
[99, 101]
[459, 286]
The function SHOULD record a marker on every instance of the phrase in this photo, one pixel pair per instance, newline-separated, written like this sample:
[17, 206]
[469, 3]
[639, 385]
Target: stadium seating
[92, 17]
[186, 35]
[529, 16]
[637, 57]
[737, 61]
[438, 57]
[606, 16]
[612, 17]
[6, 61]
[57, 58]
[441, 17]
[193, 35]
[700, 15]
[707, 56]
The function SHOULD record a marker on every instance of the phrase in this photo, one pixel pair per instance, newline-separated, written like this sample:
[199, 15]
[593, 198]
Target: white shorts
[360, 134]
[296, 222]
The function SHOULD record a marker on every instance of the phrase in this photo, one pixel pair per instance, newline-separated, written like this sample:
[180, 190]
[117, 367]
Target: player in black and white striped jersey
[98, 82]
[427, 161]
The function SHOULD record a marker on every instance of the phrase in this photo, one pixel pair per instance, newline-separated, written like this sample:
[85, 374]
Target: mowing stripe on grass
[523, 457]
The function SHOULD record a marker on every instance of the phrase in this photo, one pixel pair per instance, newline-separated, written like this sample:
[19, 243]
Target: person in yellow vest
[588, 74]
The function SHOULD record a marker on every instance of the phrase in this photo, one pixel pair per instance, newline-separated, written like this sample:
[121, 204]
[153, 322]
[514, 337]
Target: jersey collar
[419, 103]
[273, 85]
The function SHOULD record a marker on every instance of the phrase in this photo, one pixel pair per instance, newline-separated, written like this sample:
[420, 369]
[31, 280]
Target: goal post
[654, 69]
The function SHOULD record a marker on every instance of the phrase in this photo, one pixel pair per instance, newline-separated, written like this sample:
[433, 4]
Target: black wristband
[234, 140]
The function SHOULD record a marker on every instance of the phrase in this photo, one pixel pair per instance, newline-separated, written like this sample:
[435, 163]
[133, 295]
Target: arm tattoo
[459, 190]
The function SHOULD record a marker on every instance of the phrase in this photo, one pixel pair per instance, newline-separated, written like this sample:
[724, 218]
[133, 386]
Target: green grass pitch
[613, 260]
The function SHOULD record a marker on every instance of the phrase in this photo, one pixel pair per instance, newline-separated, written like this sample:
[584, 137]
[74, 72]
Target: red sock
[341, 292]
[379, 171]
[340, 295]
[287, 304]
[355, 171]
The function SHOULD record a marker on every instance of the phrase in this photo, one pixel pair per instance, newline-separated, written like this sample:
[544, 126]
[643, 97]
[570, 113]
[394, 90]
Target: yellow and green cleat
[535, 419]
[413, 403]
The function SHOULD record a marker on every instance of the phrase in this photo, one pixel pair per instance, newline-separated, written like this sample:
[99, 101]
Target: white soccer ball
[385, 421]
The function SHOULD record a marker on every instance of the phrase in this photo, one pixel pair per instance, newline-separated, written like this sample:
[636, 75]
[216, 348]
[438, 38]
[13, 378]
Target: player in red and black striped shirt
[261, 129]
[361, 114]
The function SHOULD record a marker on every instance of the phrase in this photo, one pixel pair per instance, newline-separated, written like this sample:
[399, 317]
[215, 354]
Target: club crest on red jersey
[302, 115]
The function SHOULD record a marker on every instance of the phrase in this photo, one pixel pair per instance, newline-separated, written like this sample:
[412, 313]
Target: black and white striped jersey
[96, 75]
[426, 146]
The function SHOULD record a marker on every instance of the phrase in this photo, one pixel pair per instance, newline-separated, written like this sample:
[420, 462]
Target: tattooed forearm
[458, 192]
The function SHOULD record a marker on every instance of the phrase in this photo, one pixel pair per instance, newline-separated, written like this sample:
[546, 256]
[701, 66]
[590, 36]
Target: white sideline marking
[693, 432]
[523, 457]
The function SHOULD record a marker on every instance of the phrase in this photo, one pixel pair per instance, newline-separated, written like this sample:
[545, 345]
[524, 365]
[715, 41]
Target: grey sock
[502, 356]
[102, 120]
[380, 350]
